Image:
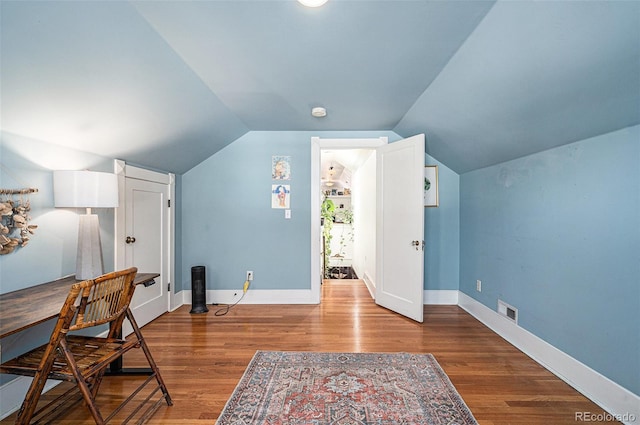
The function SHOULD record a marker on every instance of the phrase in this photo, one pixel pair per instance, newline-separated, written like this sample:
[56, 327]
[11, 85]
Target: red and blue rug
[303, 388]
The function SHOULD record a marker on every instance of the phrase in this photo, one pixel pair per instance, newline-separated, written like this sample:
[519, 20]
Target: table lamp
[86, 189]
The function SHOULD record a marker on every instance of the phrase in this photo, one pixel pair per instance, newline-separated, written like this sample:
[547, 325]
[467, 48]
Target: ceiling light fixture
[319, 112]
[312, 3]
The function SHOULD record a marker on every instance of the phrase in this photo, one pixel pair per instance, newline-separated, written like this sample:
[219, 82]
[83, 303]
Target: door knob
[416, 244]
[130, 239]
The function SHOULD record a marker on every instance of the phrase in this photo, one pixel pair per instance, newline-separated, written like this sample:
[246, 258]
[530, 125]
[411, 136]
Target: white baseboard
[255, 296]
[303, 296]
[622, 404]
[12, 394]
[441, 297]
[370, 284]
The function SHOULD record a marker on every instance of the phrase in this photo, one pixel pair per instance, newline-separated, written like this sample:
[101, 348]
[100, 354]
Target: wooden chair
[84, 359]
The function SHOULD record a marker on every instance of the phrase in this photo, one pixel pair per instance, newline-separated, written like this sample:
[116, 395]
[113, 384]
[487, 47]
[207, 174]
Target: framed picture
[431, 186]
[281, 167]
[280, 196]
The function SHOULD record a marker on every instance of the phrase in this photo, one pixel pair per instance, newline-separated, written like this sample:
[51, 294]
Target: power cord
[226, 307]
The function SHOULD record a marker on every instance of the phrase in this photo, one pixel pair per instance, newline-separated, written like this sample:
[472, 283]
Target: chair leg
[147, 353]
[86, 390]
[32, 397]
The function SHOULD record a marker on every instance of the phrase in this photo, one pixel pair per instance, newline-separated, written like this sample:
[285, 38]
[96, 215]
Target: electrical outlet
[249, 275]
[479, 285]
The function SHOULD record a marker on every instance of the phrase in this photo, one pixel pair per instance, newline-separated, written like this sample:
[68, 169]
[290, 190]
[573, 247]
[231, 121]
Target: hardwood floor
[202, 357]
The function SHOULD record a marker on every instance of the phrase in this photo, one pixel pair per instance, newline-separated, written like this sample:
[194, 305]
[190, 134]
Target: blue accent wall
[557, 235]
[228, 224]
[442, 232]
[51, 252]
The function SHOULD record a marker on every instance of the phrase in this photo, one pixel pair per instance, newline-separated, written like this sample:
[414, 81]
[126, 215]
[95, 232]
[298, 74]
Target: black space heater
[198, 290]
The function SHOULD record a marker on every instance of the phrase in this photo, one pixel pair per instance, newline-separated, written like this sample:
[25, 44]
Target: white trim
[12, 394]
[123, 170]
[302, 296]
[317, 144]
[174, 300]
[441, 297]
[257, 296]
[119, 220]
[370, 284]
[601, 390]
[134, 172]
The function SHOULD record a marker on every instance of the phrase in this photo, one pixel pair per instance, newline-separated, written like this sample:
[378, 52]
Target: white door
[400, 227]
[146, 231]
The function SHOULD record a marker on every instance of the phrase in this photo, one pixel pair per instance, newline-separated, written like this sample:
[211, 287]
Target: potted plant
[346, 217]
[327, 215]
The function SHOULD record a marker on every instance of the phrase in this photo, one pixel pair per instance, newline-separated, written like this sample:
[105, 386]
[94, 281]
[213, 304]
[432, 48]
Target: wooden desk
[16, 308]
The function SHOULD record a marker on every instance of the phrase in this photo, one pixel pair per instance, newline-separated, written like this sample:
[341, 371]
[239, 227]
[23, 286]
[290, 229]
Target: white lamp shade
[85, 189]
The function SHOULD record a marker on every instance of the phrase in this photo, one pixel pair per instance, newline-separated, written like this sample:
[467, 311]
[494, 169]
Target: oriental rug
[305, 388]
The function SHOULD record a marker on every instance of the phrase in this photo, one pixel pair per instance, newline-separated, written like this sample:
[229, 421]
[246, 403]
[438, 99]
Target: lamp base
[89, 259]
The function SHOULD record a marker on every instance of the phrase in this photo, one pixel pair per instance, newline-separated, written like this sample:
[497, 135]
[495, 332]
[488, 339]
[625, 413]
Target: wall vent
[508, 311]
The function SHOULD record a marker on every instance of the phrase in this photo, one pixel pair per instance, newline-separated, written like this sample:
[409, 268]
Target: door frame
[123, 171]
[317, 146]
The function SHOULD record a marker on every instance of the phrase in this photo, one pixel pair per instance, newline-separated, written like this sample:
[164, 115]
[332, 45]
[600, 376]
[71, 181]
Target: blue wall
[229, 226]
[557, 235]
[51, 252]
[442, 232]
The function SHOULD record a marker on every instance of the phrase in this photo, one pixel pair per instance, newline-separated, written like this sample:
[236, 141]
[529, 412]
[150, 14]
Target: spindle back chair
[83, 359]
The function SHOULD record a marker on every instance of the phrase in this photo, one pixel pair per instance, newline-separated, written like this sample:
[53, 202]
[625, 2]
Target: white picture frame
[281, 196]
[431, 198]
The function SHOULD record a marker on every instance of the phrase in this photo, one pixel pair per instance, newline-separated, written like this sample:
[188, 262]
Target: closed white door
[146, 243]
[400, 227]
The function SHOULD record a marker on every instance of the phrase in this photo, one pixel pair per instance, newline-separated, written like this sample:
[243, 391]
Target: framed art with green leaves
[431, 186]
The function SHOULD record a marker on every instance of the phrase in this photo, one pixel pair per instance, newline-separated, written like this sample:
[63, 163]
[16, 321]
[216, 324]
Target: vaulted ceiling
[166, 84]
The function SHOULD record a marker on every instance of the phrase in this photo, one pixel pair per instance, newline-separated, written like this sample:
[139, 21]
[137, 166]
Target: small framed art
[280, 196]
[431, 186]
[280, 167]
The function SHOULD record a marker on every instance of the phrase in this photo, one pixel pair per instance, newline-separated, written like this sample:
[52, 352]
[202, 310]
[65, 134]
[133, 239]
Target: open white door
[400, 227]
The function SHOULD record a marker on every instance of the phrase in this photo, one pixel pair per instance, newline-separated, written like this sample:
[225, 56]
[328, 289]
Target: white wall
[363, 201]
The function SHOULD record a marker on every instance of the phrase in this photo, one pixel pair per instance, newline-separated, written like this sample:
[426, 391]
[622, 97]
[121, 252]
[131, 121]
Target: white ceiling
[337, 166]
[166, 84]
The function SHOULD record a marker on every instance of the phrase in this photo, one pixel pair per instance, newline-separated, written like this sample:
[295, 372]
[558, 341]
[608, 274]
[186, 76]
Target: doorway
[144, 235]
[347, 185]
[350, 151]
[399, 217]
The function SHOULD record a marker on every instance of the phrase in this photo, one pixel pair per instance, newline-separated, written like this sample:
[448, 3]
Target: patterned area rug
[296, 388]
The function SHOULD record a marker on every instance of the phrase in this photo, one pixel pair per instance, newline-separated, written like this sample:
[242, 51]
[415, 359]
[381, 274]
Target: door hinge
[168, 203]
[169, 287]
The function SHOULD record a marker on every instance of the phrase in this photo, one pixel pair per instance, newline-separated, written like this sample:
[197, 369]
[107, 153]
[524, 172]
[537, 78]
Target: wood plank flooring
[202, 357]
